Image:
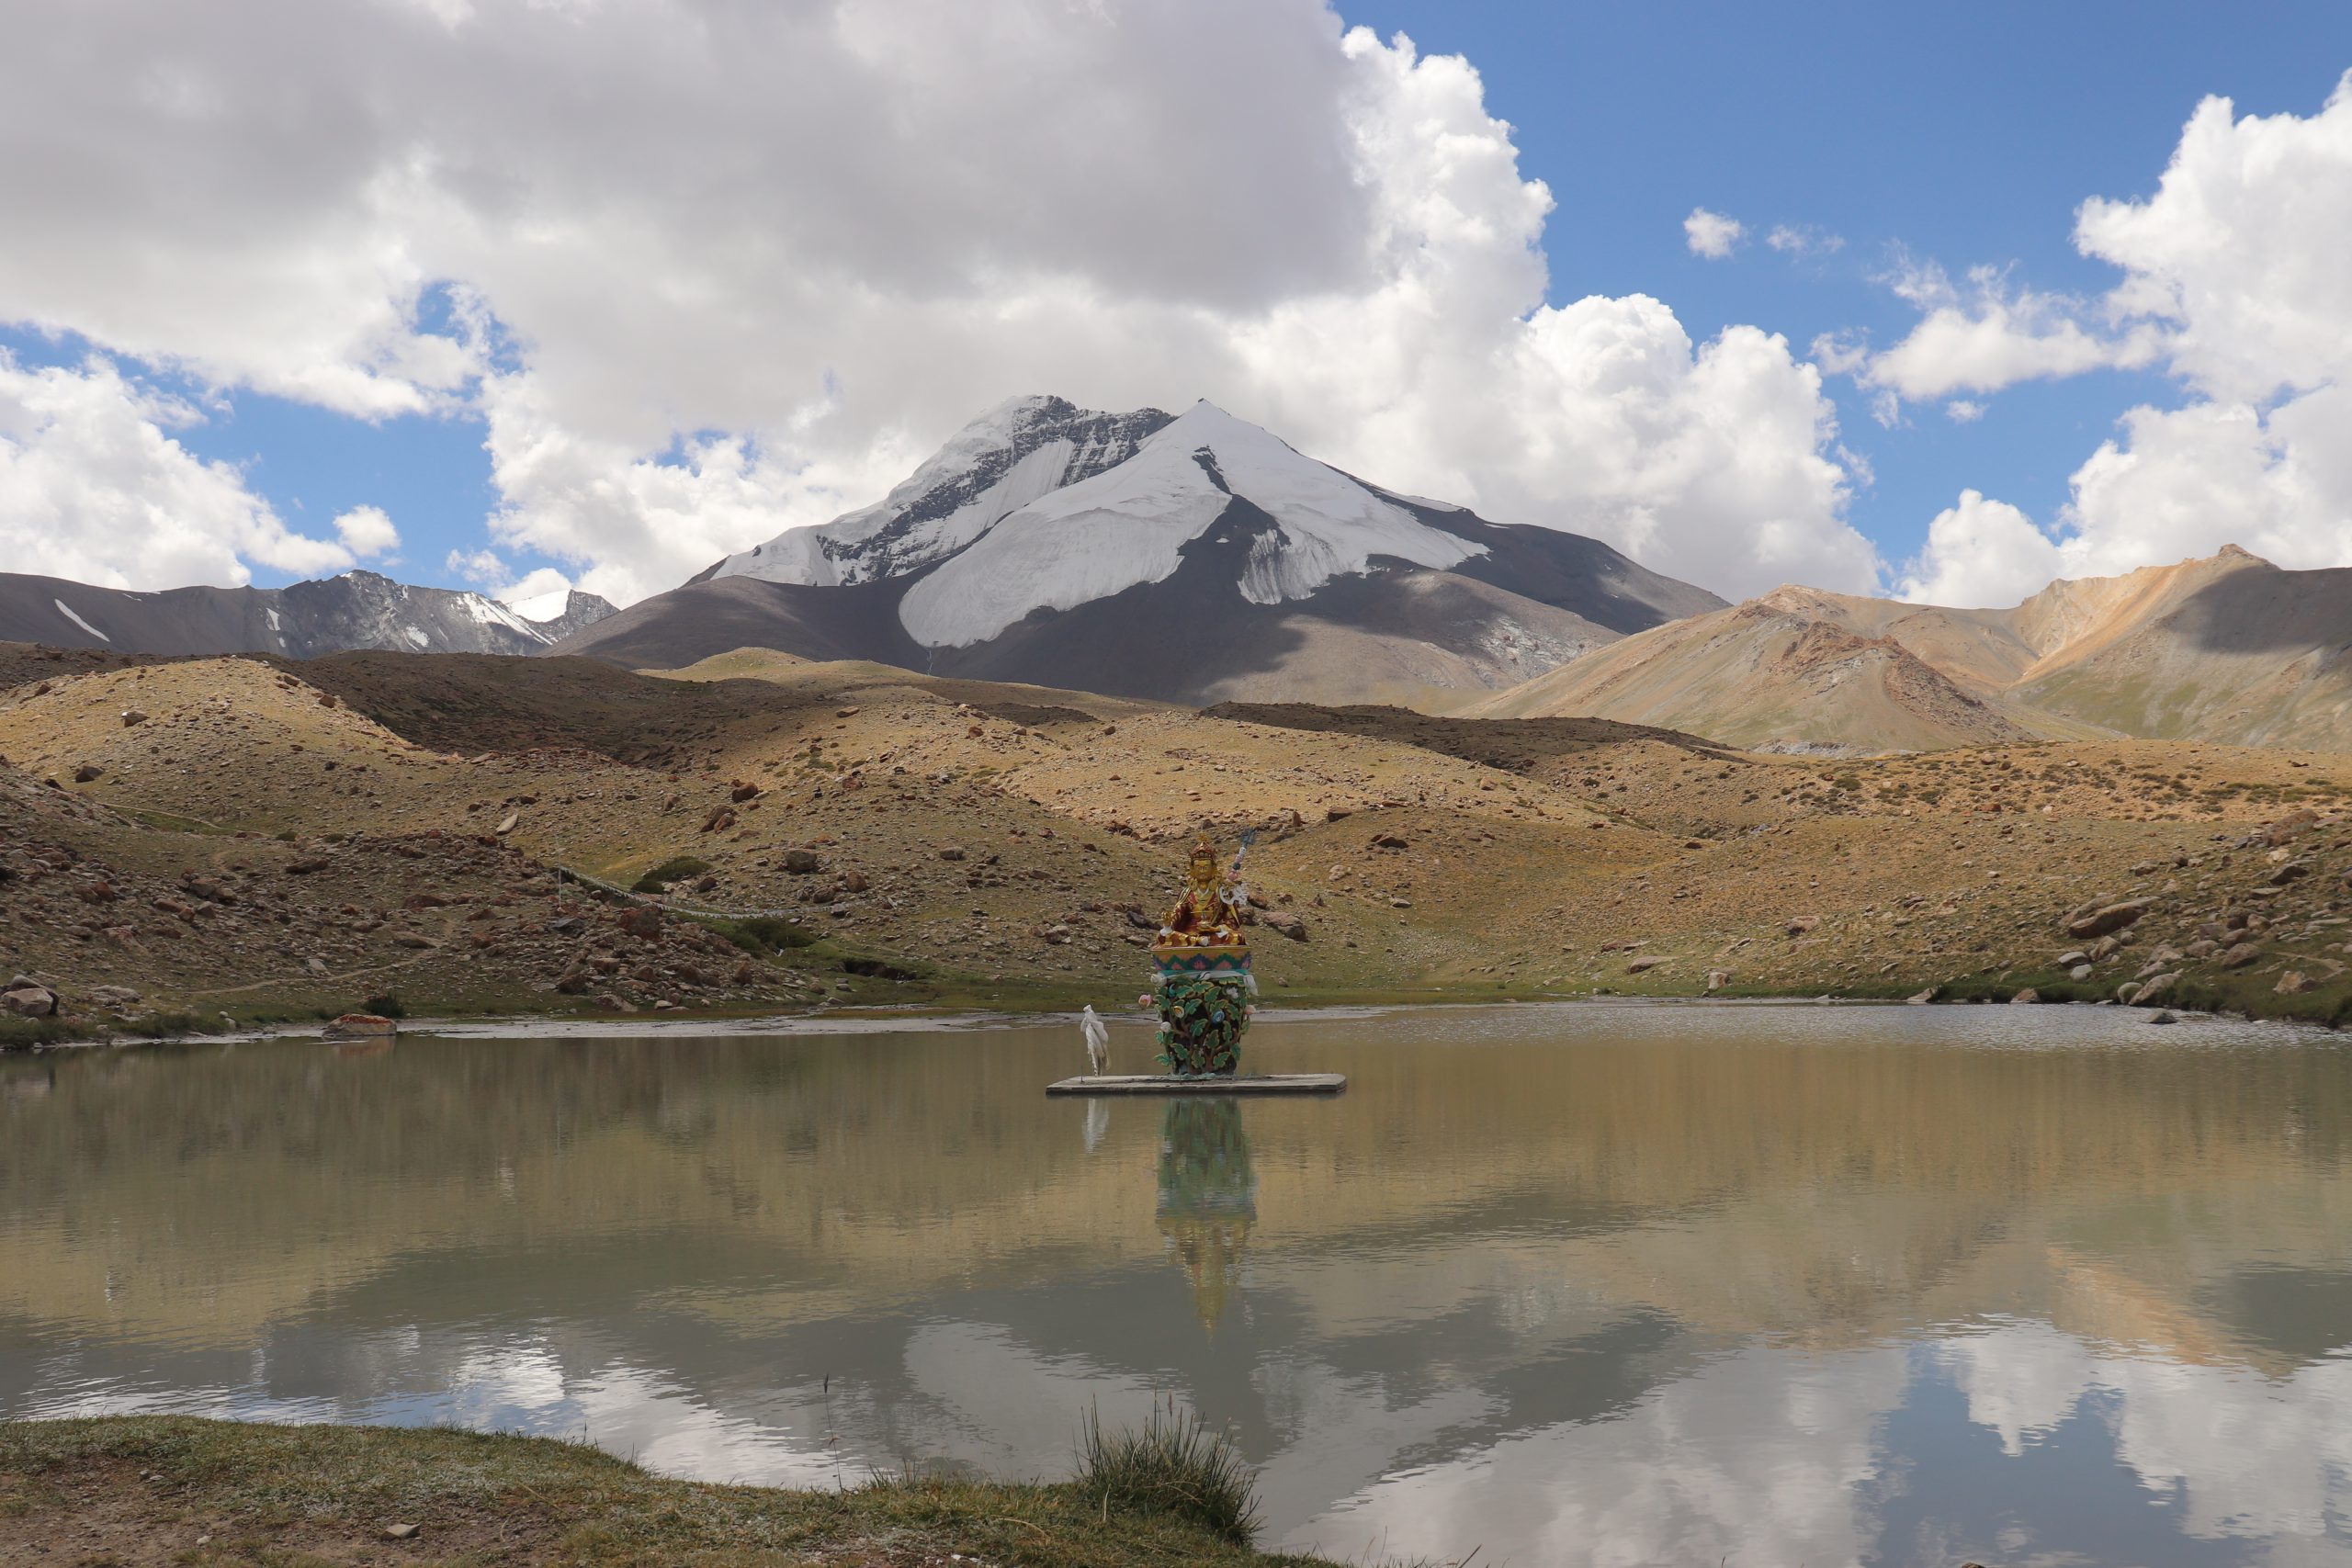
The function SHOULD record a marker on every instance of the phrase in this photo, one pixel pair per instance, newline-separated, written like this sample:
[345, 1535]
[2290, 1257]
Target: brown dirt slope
[1760, 676]
[913, 836]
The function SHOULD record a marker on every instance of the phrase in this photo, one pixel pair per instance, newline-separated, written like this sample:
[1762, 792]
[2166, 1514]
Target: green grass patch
[762, 936]
[23, 1033]
[307, 1493]
[678, 868]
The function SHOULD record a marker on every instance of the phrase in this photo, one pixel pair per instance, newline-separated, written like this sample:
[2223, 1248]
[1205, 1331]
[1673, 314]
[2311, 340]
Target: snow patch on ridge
[1128, 526]
[541, 606]
[67, 610]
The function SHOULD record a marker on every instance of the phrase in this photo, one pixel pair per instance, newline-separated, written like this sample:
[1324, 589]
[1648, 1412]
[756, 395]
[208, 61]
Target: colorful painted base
[1216, 961]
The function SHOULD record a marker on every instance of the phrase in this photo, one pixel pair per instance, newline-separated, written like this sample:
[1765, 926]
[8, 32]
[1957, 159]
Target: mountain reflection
[1575, 1284]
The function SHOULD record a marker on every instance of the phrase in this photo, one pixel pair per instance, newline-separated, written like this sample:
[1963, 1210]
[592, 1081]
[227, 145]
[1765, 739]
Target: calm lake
[1606, 1284]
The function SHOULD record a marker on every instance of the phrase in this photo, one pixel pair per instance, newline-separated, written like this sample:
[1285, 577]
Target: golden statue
[1207, 915]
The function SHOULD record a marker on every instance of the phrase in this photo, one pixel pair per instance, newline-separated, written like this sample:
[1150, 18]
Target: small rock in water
[362, 1026]
[2162, 1018]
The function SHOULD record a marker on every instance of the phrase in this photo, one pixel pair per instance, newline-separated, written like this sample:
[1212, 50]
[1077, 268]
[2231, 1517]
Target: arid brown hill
[2227, 648]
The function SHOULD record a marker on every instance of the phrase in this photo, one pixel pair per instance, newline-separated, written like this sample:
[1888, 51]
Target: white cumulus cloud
[368, 531]
[1712, 234]
[93, 487]
[709, 270]
[1992, 335]
[2234, 282]
[1980, 554]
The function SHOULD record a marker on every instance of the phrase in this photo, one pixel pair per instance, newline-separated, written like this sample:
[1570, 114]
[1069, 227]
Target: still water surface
[1569, 1284]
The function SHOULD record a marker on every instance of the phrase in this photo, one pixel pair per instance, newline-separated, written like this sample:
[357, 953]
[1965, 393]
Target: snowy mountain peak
[1041, 504]
[1306, 522]
[1019, 450]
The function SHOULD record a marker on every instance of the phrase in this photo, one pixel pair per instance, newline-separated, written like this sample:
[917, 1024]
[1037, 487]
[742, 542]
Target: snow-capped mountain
[358, 609]
[1006, 458]
[1194, 557]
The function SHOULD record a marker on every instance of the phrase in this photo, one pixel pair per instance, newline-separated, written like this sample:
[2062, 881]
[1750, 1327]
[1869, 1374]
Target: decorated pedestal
[1201, 981]
[1200, 987]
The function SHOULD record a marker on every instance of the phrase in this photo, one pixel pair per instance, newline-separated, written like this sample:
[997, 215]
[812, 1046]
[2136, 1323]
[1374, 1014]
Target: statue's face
[1203, 864]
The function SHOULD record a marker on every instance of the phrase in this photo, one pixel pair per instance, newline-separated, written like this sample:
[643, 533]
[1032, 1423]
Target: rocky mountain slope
[1192, 559]
[2227, 648]
[358, 609]
[279, 837]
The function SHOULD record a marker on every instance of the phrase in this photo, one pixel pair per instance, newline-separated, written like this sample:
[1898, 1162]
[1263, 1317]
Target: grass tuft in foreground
[1174, 1466]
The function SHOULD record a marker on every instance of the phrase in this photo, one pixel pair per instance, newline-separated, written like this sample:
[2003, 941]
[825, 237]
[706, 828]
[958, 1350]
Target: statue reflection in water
[1208, 1196]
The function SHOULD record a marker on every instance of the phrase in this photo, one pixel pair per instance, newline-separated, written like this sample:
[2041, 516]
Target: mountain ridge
[356, 609]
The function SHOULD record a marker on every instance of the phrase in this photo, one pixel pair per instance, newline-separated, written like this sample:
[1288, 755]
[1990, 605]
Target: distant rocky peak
[557, 617]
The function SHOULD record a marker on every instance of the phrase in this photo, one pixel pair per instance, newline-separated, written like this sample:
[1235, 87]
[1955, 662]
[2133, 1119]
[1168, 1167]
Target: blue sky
[1963, 134]
[1956, 137]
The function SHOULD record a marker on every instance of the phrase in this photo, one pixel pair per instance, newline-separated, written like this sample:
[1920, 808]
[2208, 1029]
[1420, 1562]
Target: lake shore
[163, 1489]
[2250, 1003]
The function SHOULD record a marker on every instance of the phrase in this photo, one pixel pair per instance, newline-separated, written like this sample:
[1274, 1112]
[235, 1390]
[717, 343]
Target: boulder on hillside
[2290, 826]
[1282, 920]
[2113, 918]
[28, 997]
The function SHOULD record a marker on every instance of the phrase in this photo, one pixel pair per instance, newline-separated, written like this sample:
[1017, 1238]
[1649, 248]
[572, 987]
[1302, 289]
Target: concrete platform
[1161, 1083]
